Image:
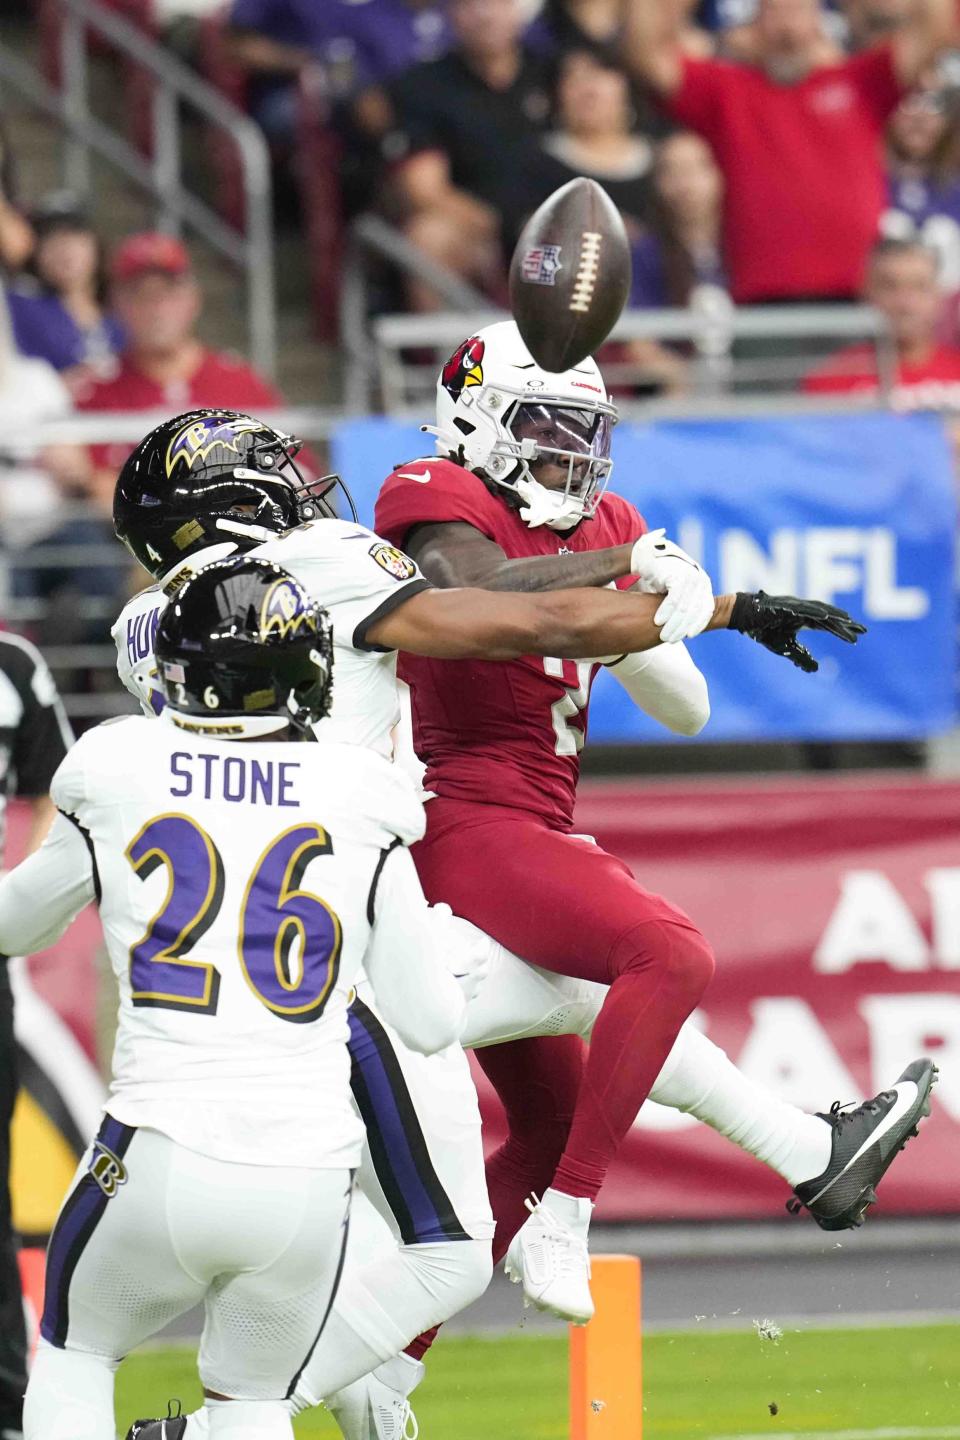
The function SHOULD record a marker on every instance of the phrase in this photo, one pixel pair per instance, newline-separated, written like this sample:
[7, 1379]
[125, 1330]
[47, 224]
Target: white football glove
[467, 961]
[664, 569]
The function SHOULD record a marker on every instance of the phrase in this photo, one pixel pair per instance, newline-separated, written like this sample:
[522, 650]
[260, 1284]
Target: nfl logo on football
[540, 265]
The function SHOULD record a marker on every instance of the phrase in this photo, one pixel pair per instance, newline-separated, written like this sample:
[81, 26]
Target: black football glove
[773, 621]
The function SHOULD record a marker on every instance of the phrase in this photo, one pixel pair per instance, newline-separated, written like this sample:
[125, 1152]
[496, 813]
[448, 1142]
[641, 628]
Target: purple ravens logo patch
[194, 441]
[284, 610]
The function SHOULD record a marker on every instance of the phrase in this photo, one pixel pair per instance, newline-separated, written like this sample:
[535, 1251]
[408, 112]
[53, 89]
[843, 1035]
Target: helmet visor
[566, 447]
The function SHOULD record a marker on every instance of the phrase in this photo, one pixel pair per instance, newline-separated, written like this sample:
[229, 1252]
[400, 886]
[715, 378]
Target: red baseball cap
[149, 251]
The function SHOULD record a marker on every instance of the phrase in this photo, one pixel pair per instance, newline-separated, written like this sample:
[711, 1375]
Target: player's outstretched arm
[453, 554]
[578, 624]
[487, 625]
[41, 896]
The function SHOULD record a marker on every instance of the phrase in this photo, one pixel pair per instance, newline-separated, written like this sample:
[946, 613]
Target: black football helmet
[241, 645]
[213, 475]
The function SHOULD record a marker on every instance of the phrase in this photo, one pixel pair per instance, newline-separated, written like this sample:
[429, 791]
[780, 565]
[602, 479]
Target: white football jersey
[357, 577]
[241, 887]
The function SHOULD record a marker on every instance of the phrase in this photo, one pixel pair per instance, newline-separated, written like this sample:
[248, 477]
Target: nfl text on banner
[857, 510]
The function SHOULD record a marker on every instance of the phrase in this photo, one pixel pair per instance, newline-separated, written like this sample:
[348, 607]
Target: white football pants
[151, 1229]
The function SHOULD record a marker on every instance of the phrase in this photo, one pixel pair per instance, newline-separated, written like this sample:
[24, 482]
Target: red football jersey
[500, 732]
[802, 167]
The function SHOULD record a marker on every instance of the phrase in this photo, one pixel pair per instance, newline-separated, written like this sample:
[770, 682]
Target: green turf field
[894, 1383]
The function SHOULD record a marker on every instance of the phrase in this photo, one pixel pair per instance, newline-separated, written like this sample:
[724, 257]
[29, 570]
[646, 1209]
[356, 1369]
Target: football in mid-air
[570, 274]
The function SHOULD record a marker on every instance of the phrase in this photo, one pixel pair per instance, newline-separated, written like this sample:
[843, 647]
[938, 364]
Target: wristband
[745, 613]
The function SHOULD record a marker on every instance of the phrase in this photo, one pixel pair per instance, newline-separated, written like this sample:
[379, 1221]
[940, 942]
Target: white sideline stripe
[909, 1432]
[802, 1324]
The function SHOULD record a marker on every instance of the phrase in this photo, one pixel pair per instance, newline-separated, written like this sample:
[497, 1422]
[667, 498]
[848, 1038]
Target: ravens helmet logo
[194, 441]
[283, 610]
[464, 368]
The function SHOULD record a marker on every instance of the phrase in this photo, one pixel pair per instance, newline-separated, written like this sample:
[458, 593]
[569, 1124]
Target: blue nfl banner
[857, 510]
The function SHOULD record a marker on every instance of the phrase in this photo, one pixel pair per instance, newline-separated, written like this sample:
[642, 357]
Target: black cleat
[866, 1140]
[173, 1428]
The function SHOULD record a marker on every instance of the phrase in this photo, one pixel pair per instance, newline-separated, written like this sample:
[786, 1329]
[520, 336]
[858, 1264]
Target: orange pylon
[606, 1375]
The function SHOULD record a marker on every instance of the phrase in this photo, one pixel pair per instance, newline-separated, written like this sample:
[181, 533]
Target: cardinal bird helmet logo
[464, 368]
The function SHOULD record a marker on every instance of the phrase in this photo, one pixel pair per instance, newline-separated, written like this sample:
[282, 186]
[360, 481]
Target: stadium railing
[391, 360]
[69, 103]
[757, 354]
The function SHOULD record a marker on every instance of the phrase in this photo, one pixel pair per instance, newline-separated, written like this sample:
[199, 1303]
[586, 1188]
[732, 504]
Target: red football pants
[561, 902]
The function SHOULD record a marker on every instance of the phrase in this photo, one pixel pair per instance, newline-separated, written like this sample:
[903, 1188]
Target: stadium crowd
[781, 152]
[823, 129]
[756, 151]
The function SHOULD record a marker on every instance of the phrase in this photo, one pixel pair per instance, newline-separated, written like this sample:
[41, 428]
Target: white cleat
[549, 1257]
[377, 1407]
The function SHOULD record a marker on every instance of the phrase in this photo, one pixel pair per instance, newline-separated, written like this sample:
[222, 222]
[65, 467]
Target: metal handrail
[319, 424]
[372, 349]
[371, 235]
[176, 83]
[711, 335]
[309, 422]
[753, 322]
[98, 137]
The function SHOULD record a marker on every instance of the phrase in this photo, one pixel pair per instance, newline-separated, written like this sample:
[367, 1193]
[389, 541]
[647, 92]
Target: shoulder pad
[312, 538]
[434, 491]
[622, 515]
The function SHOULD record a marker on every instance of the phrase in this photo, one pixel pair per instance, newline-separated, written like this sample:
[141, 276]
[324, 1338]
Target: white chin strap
[260, 533]
[548, 507]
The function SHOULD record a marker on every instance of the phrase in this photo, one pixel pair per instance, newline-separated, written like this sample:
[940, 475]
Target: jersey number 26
[276, 915]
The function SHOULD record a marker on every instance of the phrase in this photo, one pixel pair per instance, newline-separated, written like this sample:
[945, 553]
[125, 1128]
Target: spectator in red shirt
[799, 141]
[902, 283]
[164, 366]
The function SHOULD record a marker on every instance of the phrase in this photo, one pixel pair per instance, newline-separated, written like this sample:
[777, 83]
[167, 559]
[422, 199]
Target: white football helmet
[500, 414]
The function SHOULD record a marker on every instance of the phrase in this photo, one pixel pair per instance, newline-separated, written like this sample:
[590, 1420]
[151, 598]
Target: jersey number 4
[278, 922]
